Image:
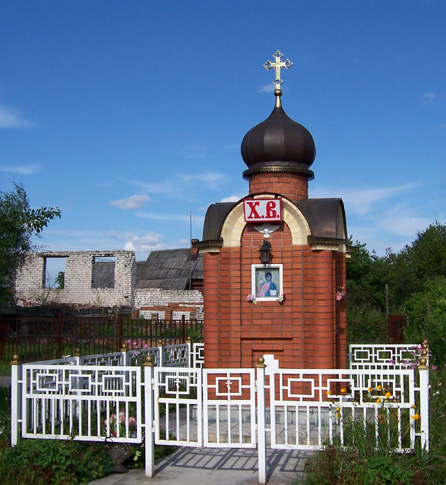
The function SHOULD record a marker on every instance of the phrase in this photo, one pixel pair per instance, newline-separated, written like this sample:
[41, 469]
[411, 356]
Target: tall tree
[426, 256]
[426, 311]
[18, 224]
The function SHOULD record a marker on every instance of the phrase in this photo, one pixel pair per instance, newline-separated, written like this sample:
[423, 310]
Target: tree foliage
[404, 273]
[426, 311]
[18, 224]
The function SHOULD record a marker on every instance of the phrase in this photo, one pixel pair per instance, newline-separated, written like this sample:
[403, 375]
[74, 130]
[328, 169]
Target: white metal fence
[232, 408]
[386, 356]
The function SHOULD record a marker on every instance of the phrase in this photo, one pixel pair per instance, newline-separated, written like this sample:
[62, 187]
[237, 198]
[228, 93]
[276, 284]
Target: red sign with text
[263, 210]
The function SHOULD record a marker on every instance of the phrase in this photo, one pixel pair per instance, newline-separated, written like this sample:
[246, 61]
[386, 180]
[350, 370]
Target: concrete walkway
[212, 466]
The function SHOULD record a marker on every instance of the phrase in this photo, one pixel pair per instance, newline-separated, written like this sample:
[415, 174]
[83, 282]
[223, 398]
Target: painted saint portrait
[266, 282]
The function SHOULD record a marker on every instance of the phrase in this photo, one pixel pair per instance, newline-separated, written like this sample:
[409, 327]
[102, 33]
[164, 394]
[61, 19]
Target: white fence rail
[232, 408]
[387, 356]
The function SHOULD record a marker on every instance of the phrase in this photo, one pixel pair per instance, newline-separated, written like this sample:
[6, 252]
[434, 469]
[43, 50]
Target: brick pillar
[341, 312]
[211, 309]
[324, 310]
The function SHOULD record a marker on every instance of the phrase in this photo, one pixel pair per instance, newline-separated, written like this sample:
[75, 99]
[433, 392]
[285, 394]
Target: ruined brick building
[167, 285]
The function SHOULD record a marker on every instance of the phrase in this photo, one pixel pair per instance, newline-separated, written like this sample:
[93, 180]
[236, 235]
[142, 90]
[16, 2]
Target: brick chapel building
[275, 261]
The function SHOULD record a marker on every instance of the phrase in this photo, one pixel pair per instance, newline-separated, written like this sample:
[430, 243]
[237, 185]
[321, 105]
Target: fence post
[160, 353]
[119, 325]
[148, 412]
[59, 334]
[190, 357]
[261, 420]
[16, 387]
[124, 355]
[183, 329]
[423, 370]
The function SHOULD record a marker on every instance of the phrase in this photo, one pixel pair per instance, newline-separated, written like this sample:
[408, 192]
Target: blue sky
[129, 115]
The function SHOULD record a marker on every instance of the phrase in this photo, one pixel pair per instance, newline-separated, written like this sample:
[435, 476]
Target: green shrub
[55, 462]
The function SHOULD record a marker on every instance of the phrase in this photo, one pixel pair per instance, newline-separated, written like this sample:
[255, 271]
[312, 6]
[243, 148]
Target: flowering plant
[281, 298]
[252, 299]
[340, 293]
[117, 424]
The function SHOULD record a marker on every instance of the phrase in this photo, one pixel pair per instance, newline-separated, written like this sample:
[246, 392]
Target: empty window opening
[54, 273]
[103, 272]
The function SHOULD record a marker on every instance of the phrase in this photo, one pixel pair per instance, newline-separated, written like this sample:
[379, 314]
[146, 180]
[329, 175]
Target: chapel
[275, 261]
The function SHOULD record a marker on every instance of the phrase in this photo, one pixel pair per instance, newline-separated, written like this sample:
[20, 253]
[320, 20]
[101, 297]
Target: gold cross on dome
[278, 64]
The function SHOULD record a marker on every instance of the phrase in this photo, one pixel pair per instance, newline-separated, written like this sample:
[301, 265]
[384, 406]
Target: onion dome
[278, 144]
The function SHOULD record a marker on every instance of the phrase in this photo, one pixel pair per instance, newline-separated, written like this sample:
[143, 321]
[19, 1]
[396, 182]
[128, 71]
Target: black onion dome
[278, 144]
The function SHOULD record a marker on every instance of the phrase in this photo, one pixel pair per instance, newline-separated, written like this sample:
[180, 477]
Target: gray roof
[326, 217]
[171, 269]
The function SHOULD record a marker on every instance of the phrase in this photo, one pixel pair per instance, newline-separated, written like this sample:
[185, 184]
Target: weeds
[365, 461]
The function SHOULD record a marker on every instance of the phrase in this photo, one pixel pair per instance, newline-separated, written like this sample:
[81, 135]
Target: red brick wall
[291, 185]
[306, 330]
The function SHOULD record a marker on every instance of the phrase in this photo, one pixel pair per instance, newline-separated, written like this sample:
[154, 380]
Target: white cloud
[195, 151]
[132, 202]
[181, 183]
[142, 245]
[22, 170]
[401, 220]
[165, 187]
[429, 97]
[211, 178]
[363, 201]
[171, 217]
[13, 118]
[266, 88]
[231, 198]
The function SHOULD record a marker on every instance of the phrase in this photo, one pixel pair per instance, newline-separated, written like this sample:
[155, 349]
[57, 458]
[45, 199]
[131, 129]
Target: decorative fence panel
[82, 402]
[178, 411]
[387, 356]
[313, 408]
[229, 408]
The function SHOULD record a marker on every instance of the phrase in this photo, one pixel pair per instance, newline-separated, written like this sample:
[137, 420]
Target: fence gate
[212, 408]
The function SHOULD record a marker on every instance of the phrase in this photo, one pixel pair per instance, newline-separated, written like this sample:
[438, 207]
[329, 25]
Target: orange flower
[369, 389]
[343, 390]
[388, 395]
[416, 416]
[378, 387]
[328, 393]
[378, 400]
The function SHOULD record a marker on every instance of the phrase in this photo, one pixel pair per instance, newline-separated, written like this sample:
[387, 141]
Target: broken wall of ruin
[79, 287]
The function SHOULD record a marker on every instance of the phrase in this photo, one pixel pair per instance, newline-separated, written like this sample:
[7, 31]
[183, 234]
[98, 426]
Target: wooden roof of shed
[171, 269]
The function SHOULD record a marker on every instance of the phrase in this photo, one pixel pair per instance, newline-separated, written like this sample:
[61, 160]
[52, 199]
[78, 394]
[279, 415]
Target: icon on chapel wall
[266, 281]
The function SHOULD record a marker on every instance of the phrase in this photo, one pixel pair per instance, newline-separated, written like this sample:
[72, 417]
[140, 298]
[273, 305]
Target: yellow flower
[328, 393]
[416, 416]
[378, 400]
[413, 405]
[343, 390]
[338, 415]
[338, 408]
[388, 395]
[369, 389]
[378, 387]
